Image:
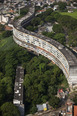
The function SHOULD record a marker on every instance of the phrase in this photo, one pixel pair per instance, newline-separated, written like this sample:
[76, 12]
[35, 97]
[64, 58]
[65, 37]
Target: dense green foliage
[62, 6]
[2, 27]
[75, 99]
[66, 26]
[73, 14]
[49, 34]
[6, 34]
[42, 80]
[8, 109]
[54, 101]
[58, 28]
[60, 37]
[11, 55]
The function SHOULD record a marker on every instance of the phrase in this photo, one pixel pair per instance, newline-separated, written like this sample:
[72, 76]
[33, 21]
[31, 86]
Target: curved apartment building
[45, 46]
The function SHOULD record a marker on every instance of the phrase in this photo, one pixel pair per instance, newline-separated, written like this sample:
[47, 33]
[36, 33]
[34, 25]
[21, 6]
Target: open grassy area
[7, 43]
[73, 14]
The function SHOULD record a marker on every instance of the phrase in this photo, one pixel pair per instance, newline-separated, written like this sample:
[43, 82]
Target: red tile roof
[8, 28]
[75, 110]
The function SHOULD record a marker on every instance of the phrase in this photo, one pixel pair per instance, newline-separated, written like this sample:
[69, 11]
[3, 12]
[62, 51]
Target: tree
[60, 37]
[2, 93]
[7, 82]
[42, 67]
[32, 28]
[51, 91]
[33, 109]
[62, 6]
[54, 102]
[6, 34]
[72, 41]
[36, 21]
[48, 12]
[75, 99]
[56, 15]
[2, 27]
[23, 11]
[58, 28]
[49, 19]
[41, 23]
[9, 109]
[48, 34]
[72, 25]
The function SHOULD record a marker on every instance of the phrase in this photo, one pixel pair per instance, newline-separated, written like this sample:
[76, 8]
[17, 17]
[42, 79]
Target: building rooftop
[75, 110]
[8, 28]
[18, 88]
[72, 60]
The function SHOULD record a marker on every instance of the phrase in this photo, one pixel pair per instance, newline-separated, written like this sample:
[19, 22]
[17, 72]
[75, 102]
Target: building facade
[51, 49]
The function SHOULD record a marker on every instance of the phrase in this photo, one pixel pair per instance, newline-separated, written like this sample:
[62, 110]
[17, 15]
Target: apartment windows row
[42, 44]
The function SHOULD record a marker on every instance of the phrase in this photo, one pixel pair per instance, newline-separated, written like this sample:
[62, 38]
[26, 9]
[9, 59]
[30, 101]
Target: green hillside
[73, 14]
[7, 43]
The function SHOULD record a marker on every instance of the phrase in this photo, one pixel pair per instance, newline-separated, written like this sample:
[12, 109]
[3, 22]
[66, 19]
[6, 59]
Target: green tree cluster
[57, 28]
[9, 109]
[6, 34]
[66, 25]
[60, 37]
[9, 59]
[41, 82]
[40, 20]
[54, 101]
[2, 27]
[62, 6]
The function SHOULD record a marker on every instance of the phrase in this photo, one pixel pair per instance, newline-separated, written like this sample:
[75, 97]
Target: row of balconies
[50, 48]
[44, 53]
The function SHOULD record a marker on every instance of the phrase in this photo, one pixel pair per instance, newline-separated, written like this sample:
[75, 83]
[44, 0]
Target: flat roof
[71, 58]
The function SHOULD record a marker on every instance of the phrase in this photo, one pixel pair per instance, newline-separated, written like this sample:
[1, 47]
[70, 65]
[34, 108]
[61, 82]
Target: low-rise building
[4, 19]
[18, 90]
[69, 107]
[42, 107]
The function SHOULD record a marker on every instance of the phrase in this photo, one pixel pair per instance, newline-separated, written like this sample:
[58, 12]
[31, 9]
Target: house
[8, 28]
[4, 19]
[55, 7]
[70, 11]
[69, 107]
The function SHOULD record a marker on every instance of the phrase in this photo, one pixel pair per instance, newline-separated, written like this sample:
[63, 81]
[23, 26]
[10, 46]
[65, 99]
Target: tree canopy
[58, 28]
[62, 6]
[9, 109]
[41, 81]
